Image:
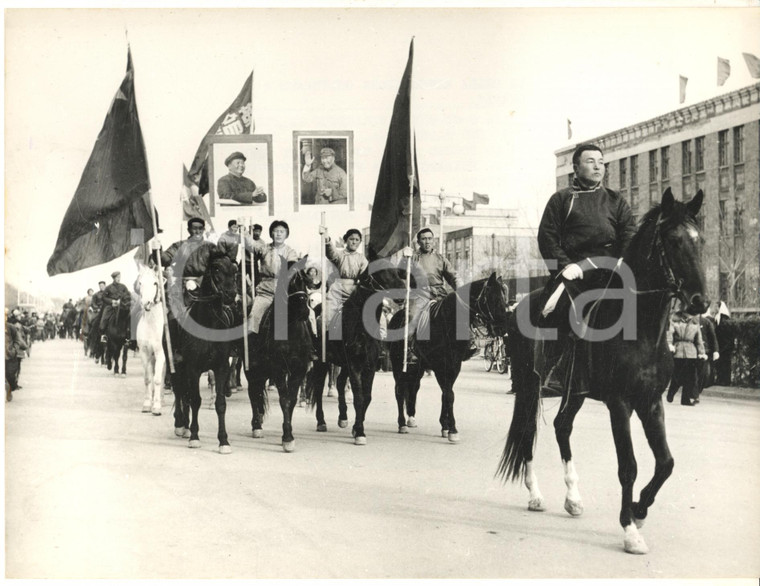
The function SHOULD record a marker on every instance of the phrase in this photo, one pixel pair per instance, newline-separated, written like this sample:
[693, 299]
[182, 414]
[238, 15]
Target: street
[97, 489]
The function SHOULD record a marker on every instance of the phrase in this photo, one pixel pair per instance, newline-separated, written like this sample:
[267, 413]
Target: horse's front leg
[222, 374]
[620, 418]
[360, 403]
[563, 427]
[288, 397]
[147, 362]
[653, 419]
[194, 399]
[124, 352]
[159, 365]
[446, 378]
[315, 386]
[400, 378]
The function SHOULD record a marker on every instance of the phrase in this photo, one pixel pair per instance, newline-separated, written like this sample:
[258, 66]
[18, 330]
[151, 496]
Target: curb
[741, 393]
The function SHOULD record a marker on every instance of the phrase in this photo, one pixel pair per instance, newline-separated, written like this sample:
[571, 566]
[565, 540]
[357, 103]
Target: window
[738, 217]
[700, 148]
[739, 144]
[686, 157]
[623, 174]
[570, 179]
[723, 217]
[652, 166]
[634, 170]
[665, 162]
[723, 148]
[606, 180]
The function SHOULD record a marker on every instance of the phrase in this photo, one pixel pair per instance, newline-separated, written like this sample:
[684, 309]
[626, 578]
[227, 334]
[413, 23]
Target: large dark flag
[110, 212]
[392, 210]
[236, 119]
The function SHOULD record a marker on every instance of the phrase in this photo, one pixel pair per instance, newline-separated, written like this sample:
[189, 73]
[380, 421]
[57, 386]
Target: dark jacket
[579, 224]
[709, 338]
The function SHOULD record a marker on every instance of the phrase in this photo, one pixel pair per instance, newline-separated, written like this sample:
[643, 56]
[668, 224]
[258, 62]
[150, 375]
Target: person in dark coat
[234, 186]
[725, 337]
[706, 368]
[116, 297]
[580, 223]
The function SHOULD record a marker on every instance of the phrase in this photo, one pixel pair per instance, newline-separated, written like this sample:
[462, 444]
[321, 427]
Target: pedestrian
[725, 336]
[15, 350]
[706, 368]
[685, 342]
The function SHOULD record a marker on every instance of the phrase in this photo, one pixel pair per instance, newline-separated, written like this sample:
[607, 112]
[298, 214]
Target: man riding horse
[580, 222]
[116, 298]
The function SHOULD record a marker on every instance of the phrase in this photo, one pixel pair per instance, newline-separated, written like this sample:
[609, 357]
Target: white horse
[149, 335]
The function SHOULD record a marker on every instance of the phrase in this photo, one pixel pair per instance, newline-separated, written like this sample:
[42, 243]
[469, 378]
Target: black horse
[356, 352]
[283, 360]
[203, 338]
[626, 374]
[117, 338]
[481, 303]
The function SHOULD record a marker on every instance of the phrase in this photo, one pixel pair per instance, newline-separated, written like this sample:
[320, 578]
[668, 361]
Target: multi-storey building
[713, 146]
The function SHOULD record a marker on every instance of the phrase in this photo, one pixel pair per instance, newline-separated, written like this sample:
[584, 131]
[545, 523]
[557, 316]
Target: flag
[391, 209]
[724, 70]
[476, 199]
[753, 64]
[110, 212]
[682, 81]
[193, 205]
[236, 119]
[569, 129]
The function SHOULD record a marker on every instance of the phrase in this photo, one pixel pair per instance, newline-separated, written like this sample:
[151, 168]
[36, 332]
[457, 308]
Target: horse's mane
[678, 215]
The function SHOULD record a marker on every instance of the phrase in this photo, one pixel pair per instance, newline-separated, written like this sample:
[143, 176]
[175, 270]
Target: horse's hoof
[453, 437]
[536, 505]
[288, 447]
[634, 543]
[575, 508]
[194, 443]
[146, 407]
[225, 449]
[186, 433]
[178, 431]
[411, 422]
[639, 522]
[156, 411]
[330, 392]
[360, 440]
[342, 423]
[257, 433]
[403, 429]
[123, 375]
[444, 433]
[322, 427]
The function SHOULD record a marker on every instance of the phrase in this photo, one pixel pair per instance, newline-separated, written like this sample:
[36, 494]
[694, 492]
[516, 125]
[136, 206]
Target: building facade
[713, 146]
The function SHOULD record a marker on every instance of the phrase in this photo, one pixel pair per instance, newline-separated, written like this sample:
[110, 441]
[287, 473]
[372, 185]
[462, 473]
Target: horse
[356, 351]
[626, 374]
[283, 361]
[117, 337]
[482, 303]
[149, 334]
[203, 337]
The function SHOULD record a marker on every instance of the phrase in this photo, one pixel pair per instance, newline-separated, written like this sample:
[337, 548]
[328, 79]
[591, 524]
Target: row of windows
[691, 160]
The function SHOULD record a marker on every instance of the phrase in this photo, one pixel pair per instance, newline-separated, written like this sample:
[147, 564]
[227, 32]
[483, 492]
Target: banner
[392, 209]
[110, 212]
[724, 70]
[753, 64]
[682, 81]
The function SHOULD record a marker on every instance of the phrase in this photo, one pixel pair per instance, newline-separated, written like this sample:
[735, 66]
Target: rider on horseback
[580, 222]
[438, 271]
[115, 297]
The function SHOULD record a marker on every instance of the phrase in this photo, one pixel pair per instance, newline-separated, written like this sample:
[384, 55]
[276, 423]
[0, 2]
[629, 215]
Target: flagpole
[242, 226]
[323, 290]
[412, 153]
[169, 351]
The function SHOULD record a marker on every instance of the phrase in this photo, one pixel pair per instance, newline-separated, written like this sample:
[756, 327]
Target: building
[713, 146]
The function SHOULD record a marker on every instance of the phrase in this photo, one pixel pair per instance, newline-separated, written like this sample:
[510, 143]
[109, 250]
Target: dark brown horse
[627, 372]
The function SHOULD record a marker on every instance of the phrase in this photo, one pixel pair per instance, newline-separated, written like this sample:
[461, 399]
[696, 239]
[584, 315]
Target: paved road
[96, 489]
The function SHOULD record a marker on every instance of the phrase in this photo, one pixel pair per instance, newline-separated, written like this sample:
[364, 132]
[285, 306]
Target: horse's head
[671, 257]
[220, 278]
[298, 294]
[147, 288]
[378, 277]
[488, 304]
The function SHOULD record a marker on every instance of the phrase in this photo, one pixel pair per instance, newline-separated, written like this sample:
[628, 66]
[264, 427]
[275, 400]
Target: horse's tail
[522, 434]
[315, 381]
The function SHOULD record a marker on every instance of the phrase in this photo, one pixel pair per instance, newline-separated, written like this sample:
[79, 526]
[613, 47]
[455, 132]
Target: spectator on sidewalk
[685, 342]
[725, 337]
[706, 368]
[15, 350]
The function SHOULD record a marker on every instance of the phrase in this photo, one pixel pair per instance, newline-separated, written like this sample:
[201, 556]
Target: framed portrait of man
[241, 180]
[323, 168]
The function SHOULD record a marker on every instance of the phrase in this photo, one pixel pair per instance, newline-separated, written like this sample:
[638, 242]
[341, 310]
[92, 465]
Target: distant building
[713, 146]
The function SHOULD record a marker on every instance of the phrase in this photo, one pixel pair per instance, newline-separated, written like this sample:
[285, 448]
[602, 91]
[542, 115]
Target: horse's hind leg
[194, 399]
[147, 380]
[315, 386]
[653, 420]
[124, 353]
[563, 427]
[222, 373]
[159, 364]
[620, 417]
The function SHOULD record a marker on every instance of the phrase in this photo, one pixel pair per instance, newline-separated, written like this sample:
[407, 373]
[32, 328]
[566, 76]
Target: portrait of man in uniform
[323, 168]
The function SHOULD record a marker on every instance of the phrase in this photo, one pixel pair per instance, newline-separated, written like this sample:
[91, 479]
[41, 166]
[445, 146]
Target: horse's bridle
[657, 252]
[156, 299]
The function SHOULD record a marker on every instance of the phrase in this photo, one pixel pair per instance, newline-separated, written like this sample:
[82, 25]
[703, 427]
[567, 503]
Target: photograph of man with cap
[234, 186]
[114, 295]
[332, 181]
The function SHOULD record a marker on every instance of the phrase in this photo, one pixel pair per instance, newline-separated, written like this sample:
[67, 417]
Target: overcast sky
[492, 91]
